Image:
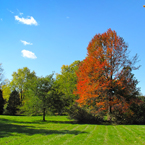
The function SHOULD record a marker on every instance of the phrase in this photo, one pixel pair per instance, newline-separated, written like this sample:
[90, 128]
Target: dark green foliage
[13, 103]
[139, 112]
[58, 102]
[82, 115]
[135, 116]
[123, 112]
[1, 103]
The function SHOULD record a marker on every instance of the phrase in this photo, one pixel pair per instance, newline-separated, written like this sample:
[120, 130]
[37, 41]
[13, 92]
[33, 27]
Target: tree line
[101, 87]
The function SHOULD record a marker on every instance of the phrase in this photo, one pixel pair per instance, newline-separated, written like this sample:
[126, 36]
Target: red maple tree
[105, 81]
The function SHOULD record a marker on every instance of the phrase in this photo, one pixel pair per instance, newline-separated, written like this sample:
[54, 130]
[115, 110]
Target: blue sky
[44, 35]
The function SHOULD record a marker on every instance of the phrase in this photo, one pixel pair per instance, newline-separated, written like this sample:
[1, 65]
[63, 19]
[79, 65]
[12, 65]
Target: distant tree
[1, 94]
[6, 89]
[21, 80]
[58, 103]
[67, 80]
[100, 74]
[13, 103]
[1, 75]
[1, 103]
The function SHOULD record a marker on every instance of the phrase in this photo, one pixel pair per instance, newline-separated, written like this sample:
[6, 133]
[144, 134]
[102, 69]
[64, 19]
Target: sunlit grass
[28, 130]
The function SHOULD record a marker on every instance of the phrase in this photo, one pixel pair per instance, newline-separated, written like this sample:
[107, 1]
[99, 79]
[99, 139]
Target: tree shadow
[7, 129]
[38, 121]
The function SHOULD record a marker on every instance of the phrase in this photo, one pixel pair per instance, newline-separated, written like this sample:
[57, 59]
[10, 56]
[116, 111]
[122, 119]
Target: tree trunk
[21, 95]
[109, 110]
[110, 94]
[43, 114]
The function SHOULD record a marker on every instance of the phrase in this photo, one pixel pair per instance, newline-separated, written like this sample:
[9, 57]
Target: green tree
[57, 100]
[6, 89]
[37, 95]
[13, 103]
[22, 80]
[67, 80]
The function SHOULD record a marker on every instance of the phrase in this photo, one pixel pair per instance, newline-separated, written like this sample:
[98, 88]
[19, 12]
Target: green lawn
[23, 130]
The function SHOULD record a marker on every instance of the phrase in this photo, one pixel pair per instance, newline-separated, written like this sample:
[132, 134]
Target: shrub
[83, 115]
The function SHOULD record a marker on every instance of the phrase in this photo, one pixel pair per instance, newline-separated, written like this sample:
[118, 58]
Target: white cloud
[26, 43]
[28, 54]
[10, 11]
[28, 21]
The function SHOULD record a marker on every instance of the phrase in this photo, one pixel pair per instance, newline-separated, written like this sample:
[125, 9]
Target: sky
[44, 35]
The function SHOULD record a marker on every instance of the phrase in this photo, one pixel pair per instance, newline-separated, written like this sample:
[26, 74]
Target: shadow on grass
[7, 129]
[54, 121]
[37, 121]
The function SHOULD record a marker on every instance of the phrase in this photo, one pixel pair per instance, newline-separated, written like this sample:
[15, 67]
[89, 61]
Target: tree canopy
[106, 69]
[22, 79]
[67, 80]
[38, 95]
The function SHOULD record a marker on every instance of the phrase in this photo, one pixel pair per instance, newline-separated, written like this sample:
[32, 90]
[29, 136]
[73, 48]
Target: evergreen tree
[1, 103]
[13, 103]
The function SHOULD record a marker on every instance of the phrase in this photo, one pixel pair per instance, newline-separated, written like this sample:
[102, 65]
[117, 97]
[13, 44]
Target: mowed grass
[58, 130]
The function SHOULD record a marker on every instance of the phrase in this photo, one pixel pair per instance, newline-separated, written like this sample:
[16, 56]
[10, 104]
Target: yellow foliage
[6, 91]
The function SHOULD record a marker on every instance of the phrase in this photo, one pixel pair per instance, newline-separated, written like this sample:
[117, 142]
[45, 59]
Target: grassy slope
[23, 130]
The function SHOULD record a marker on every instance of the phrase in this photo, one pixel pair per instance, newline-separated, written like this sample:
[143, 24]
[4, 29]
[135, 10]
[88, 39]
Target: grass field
[58, 130]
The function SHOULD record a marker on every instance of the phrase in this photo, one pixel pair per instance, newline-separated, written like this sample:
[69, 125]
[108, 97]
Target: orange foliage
[103, 73]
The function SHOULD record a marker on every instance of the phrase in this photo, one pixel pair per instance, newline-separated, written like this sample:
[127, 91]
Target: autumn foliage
[105, 82]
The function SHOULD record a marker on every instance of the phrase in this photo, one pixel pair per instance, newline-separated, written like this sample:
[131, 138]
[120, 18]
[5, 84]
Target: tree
[58, 102]
[6, 89]
[38, 94]
[42, 90]
[13, 103]
[1, 103]
[100, 74]
[1, 75]
[139, 112]
[1, 94]
[21, 80]
[67, 80]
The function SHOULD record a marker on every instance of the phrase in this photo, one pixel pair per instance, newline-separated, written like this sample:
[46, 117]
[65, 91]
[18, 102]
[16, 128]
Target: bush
[82, 115]
[139, 113]
[135, 114]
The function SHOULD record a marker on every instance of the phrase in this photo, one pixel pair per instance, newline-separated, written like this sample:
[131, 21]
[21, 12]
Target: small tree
[38, 94]
[13, 103]
[43, 88]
